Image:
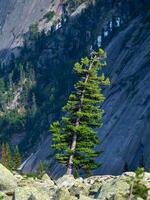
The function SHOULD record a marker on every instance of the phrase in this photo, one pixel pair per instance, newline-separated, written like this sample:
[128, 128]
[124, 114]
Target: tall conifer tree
[3, 154]
[16, 158]
[9, 162]
[74, 138]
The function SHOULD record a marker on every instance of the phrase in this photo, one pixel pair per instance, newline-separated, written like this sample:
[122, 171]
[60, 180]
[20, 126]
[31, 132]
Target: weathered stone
[66, 181]
[47, 179]
[18, 177]
[3, 196]
[79, 188]
[30, 193]
[114, 189]
[7, 180]
[129, 174]
[63, 194]
[45, 187]
[69, 188]
[29, 188]
[99, 179]
[147, 176]
[82, 197]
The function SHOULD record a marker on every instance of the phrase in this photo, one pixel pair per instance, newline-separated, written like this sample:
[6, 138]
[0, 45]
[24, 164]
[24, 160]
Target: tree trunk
[70, 162]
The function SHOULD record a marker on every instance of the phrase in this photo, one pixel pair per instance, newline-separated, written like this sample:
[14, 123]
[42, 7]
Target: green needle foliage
[9, 162]
[16, 158]
[41, 170]
[74, 138]
[138, 190]
[1, 197]
[3, 154]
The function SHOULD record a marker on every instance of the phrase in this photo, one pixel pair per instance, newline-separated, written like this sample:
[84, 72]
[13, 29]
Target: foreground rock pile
[17, 187]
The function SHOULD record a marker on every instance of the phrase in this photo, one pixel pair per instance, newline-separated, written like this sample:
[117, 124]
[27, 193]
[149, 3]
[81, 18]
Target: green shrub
[49, 15]
[137, 187]
[34, 30]
[14, 119]
[41, 170]
[32, 175]
[1, 197]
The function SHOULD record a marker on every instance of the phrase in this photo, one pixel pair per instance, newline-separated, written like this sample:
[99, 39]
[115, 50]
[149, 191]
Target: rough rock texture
[67, 187]
[7, 180]
[17, 15]
[126, 130]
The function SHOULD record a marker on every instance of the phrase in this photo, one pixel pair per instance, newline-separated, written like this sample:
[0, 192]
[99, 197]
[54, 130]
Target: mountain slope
[39, 78]
[16, 17]
[126, 130]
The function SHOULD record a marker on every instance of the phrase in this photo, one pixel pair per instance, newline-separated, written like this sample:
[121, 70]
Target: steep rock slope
[126, 130]
[17, 15]
[51, 57]
[44, 71]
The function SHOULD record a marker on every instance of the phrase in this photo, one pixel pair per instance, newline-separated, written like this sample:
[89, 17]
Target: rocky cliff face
[16, 17]
[126, 129]
[17, 187]
[125, 36]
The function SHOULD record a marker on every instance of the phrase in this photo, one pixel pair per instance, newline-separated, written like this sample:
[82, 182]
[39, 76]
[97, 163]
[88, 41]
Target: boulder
[79, 188]
[37, 189]
[3, 196]
[63, 194]
[30, 193]
[66, 181]
[45, 187]
[18, 187]
[82, 197]
[47, 179]
[117, 189]
[7, 181]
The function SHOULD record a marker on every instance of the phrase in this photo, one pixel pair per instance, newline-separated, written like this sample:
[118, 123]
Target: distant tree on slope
[16, 158]
[3, 154]
[9, 161]
[74, 138]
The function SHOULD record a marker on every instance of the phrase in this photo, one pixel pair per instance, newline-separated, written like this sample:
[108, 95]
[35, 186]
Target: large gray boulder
[63, 194]
[66, 181]
[30, 193]
[114, 189]
[7, 180]
[35, 189]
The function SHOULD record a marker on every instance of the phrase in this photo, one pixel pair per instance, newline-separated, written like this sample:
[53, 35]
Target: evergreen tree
[10, 80]
[34, 105]
[22, 74]
[41, 169]
[74, 138]
[9, 162]
[16, 158]
[3, 154]
[2, 94]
